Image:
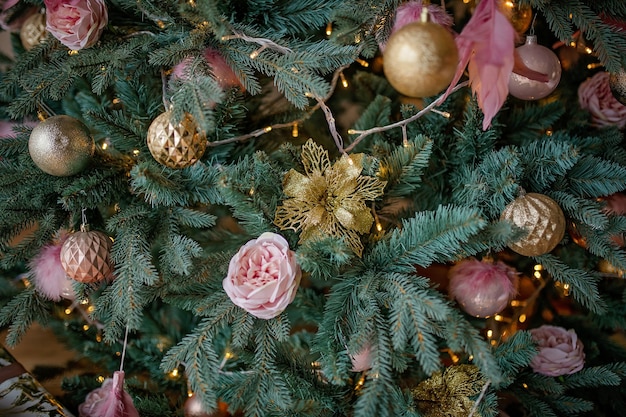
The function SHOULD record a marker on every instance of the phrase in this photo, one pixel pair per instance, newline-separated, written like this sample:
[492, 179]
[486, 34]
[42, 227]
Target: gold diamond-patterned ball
[543, 220]
[175, 145]
[33, 31]
[85, 256]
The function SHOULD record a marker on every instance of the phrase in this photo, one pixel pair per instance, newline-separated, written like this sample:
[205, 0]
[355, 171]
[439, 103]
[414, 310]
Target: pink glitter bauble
[537, 58]
[482, 288]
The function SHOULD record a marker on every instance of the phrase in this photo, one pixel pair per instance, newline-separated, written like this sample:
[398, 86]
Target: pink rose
[362, 360]
[77, 24]
[594, 95]
[263, 276]
[560, 351]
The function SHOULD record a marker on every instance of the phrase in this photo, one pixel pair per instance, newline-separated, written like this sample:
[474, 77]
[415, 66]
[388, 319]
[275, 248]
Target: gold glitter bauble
[61, 146]
[541, 217]
[617, 83]
[520, 15]
[420, 59]
[85, 256]
[175, 146]
[33, 31]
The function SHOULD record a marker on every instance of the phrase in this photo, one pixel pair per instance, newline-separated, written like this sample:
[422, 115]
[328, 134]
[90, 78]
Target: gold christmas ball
[175, 145]
[543, 220]
[85, 256]
[420, 59]
[61, 146]
[617, 84]
[520, 15]
[33, 31]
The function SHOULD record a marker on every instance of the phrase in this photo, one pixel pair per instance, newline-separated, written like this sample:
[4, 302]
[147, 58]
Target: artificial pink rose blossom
[595, 96]
[263, 276]
[77, 24]
[362, 361]
[560, 351]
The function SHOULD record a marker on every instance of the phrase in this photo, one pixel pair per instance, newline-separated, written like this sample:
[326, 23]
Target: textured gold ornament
[175, 145]
[328, 200]
[420, 59]
[542, 218]
[520, 15]
[85, 256]
[446, 394]
[61, 146]
[617, 84]
[33, 31]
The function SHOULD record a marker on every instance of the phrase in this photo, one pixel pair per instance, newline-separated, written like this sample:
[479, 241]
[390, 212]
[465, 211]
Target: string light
[592, 66]
[85, 327]
[329, 28]
[294, 130]
[116, 100]
[100, 379]
[344, 81]
[104, 146]
[136, 152]
[68, 311]
[174, 373]
[363, 62]
[267, 129]
[522, 318]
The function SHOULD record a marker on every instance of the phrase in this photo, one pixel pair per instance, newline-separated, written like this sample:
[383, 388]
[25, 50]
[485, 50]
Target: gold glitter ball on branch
[176, 145]
[543, 220]
[329, 200]
[85, 256]
[33, 31]
[61, 145]
[447, 393]
[420, 59]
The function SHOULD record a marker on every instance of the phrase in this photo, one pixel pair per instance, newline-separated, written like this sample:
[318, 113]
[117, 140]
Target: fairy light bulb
[329, 29]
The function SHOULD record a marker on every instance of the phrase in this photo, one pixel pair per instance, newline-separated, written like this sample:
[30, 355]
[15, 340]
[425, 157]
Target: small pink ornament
[482, 288]
[222, 72]
[362, 360]
[110, 400]
[595, 96]
[263, 276]
[540, 59]
[77, 24]
[49, 277]
[560, 351]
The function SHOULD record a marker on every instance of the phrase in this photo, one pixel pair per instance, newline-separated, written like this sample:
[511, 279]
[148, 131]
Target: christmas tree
[320, 208]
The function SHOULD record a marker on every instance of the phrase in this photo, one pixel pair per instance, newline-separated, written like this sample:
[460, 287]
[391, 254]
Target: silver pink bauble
[537, 58]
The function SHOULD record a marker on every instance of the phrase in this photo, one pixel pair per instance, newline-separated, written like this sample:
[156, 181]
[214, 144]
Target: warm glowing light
[344, 82]
[100, 379]
[192, 3]
[294, 130]
[572, 43]
[592, 66]
[379, 227]
[189, 393]
[85, 327]
[229, 355]
[549, 132]
[160, 24]
[90, 309]
[98, 338]
[525, 385]
[537, 274]
[498, 317]
[104, 146]
[267, 129]
[116, 100]
[84, 301]
[136, 152]
[72, 52]
[489, 333]
[68, 311]
[363, 62]
[493, 342]
[522, 318]
[589, 50]
[329, 28]
[350, 161]
[351, 132]
[174, 373]
[538, 267]
[251, 192]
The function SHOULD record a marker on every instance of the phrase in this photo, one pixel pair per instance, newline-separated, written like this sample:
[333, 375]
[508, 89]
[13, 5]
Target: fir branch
[426, 238]
[583, 284]
[515, 354]
[547, 159]
[594, 177]
[404, 166]
[20, 313]
[592, 377]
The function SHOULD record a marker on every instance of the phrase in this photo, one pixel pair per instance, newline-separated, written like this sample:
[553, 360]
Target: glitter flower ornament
[328, 200]
[560, 351]
[77, 24]
[263, 276]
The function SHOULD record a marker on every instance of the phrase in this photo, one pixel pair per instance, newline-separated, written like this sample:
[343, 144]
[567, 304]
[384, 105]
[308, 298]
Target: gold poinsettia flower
[328, 199]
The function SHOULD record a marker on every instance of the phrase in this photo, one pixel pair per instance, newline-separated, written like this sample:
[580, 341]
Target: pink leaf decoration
[487, 46]
[110, 400]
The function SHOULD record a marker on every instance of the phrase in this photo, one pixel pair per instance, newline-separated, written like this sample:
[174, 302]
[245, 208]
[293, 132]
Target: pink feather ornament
[48, 274]
[482, 288]
[110, 400]
[487, 46]
[411, 11]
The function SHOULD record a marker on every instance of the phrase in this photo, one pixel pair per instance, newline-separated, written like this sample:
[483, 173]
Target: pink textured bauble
[482, 288]
[537, 58]
[85, 256]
